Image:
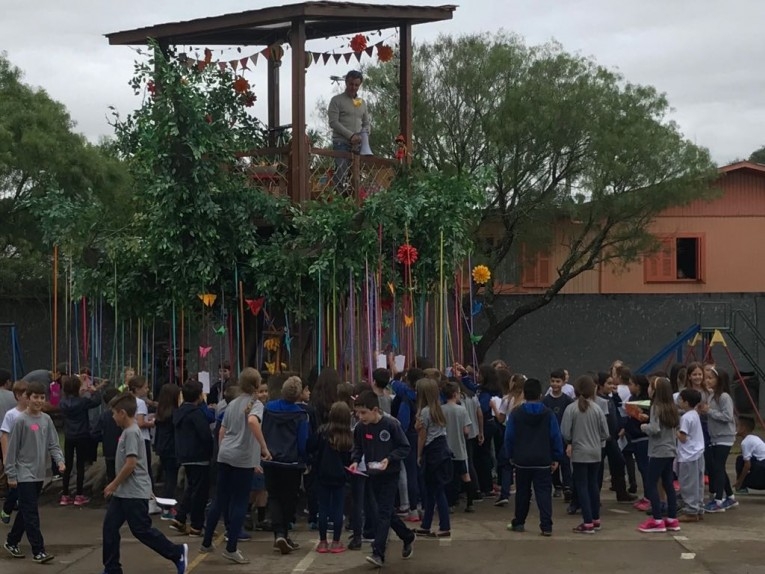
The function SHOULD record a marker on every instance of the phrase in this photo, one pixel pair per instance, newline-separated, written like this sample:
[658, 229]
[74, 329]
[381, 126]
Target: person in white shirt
[690, 457]
[750, 464]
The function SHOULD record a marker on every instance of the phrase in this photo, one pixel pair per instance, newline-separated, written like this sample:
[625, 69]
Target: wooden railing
[269, 168]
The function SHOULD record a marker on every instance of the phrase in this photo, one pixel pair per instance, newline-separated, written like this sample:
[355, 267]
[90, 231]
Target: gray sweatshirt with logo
[584, 431]
[721, 420]
[31, 444]
[662, 441]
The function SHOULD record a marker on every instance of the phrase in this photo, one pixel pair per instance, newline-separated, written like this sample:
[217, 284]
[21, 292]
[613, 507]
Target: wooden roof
[270, 25]
[743, 165]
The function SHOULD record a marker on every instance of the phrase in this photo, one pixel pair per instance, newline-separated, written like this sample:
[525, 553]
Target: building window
[536, 269]
[679, 259]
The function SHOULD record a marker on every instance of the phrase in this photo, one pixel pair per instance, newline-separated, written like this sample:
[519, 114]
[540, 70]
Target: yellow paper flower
[272, 344]
[481, 274]
[357, 102]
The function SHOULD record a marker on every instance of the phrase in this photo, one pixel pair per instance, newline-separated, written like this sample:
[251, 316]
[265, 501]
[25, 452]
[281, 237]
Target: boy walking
[31, 445]
[20, 393]
[534, 444]
[381, 442]
[690, 457]
[129, 495]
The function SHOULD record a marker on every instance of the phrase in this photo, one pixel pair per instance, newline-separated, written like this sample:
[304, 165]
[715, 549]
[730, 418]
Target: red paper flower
[359, 43]
[151, 87]
[407, 255]
[384, 53]
[241, 85]
[249, 99]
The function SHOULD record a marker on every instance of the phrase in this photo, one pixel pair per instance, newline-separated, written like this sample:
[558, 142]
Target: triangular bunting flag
[243, 63]
[370, 50]
[234, 64]
[254, 59]
[337, 58]
[348, 57]
[326, 58]
[358, 56]
[222, 66]
[316, 56]
[266, 53]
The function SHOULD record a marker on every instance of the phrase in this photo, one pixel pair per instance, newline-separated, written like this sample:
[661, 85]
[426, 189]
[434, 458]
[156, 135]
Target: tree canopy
[758, 156]
[573, 153]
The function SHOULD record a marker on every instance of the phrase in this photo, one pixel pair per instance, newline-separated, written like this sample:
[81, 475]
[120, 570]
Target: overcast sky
[707, 55]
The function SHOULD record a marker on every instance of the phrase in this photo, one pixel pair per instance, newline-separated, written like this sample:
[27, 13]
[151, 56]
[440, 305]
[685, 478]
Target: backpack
[396, 406]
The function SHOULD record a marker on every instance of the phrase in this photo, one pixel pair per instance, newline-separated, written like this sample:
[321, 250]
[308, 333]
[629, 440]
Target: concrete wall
[588, 332]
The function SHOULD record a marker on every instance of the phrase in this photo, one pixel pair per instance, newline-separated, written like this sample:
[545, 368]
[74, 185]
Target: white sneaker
[154, 507]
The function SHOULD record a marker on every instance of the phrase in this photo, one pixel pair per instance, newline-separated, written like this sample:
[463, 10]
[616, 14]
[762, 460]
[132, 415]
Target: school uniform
[752, 450]
[690, 463]
[373, 443]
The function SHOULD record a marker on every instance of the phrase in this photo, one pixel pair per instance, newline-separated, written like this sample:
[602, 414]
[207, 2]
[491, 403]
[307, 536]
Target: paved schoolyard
[729, 543]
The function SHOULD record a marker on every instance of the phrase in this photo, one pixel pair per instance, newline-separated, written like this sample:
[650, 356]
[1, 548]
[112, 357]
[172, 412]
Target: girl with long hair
[433, 456]
[164, 440]
[661, 430]
[331, 449]
[584, 429]
[721, 424]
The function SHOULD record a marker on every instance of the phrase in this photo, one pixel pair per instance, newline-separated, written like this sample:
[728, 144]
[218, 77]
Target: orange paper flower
[384, 53]
[359, 43]
[241, 85]
[481, 274]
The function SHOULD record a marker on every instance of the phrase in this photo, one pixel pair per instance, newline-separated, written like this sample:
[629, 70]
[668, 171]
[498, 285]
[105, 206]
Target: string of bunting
[275, 52]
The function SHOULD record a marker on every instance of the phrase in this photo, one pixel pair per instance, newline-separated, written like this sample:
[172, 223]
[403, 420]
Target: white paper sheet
[204, 378]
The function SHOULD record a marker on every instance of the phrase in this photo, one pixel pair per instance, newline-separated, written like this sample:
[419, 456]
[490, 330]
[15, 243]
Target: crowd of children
[256, 453]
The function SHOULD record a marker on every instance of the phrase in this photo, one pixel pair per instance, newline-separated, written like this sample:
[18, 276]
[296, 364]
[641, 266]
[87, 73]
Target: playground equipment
[17, 363]
[735, 326]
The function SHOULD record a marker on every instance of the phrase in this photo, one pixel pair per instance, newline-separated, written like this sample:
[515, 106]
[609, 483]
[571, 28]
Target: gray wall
[587, 332]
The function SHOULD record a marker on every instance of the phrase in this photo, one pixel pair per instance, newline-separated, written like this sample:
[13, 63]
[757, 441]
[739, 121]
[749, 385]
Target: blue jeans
[384, 486]
[585, 475]
[541, 479]
[231, 496]
[331, 502]
[505, 471]
[661, 469]
[342, 165]
[135, 512]
[28, 518]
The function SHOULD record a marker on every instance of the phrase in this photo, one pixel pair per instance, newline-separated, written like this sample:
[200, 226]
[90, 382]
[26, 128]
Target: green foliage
[43, 163]
[758, 156]
[572, 152]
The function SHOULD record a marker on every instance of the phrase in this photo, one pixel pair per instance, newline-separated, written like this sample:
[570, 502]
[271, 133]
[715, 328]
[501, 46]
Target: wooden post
[54, 357]
[274, 112]
[405, 86]
[299, 158]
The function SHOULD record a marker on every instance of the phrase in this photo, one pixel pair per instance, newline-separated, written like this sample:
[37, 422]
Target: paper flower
[208, 299]
[249, 99]
[241, 85]
[359, 43]
[204, 351]
[272, 344]
[408, 320]
[220, 330]
[407, 255]
[475, 339]
[357, 102]
[384, 53]
[151, 87]
[400, 154]
[481, 274]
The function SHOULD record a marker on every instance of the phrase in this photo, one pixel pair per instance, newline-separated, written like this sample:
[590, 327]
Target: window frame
[656, 260]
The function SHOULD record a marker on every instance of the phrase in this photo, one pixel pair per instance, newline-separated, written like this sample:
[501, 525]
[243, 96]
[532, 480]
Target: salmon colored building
[708, 246]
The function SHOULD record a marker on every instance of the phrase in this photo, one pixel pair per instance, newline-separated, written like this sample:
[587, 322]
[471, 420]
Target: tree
[41, 156]
[758, 156]
[573, 153]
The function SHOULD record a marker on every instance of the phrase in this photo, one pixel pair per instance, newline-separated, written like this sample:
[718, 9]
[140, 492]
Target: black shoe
[43, 558]
[292, 544]
[376, 560]
[632, 489]
[625, 498]
[572, 509]
[567, 496]
[14, 550]
[408, 549]
[354, 544]
[557, 493]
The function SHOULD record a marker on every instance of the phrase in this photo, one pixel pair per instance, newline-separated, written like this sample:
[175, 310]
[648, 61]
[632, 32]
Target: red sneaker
[337, 548]
[652, 525]
[672, 524]
[323, 547]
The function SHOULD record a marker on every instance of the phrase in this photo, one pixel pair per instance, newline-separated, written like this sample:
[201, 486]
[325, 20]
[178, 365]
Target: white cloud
[705, 54]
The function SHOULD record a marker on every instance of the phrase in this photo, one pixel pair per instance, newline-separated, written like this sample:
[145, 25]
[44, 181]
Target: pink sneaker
[323, 547]
[652, 525]
[81, 500]
[672, 524]
[642, 505]
[65, 500]
[337, 548]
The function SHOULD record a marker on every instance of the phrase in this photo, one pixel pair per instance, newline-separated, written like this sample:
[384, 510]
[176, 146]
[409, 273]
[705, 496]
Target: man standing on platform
[348, 117]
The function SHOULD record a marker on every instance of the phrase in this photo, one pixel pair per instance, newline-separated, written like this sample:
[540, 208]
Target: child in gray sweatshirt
[31, 444]
[721, 423]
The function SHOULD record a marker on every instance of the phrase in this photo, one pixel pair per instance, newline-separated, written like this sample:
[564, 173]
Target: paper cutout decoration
[271, 367]
[384, 53]
[477, 308]
[255, 305]
[408, 320]
[481, 274]
[204, 351]
[392, 289]
[475, 339]
[382, 361]
[208, 299]
[220, 330]
[407, 255]
[204, 378]
[359, 43]
[272, 344]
